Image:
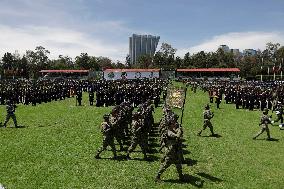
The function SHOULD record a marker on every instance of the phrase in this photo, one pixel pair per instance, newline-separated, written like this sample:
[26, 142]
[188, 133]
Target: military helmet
[114, 110]
[135, 115]
[265, 110]
[167, 108]
[106, 116]
[176, 117]
[207, 107]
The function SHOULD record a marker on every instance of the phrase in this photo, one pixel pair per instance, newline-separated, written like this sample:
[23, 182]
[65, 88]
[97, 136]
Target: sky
[103, 27]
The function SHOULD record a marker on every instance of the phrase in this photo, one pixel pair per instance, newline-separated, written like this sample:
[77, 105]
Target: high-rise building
[249, 52]
[141, 45]
[225, 48]
[236, 52]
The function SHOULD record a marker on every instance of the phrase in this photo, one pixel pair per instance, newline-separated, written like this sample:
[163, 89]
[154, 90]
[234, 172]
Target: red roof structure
[131, 70]
[64, 71]
[209, 70]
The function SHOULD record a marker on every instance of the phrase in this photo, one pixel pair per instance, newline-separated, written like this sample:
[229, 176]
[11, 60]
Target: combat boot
[158, 178]
[145, 157]
[97, 156]
[181, 177]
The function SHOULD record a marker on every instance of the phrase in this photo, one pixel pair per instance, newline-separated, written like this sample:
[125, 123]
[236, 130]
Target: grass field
[58, 141]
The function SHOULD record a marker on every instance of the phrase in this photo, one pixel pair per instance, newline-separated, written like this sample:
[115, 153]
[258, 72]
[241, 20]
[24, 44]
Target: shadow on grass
[185, 152]
[150, 158]
[13, 127]
[189, 162]
[188, 179]
[119, 158]
[269, 140]
[20, 127]
[209, 177]
[213, 136]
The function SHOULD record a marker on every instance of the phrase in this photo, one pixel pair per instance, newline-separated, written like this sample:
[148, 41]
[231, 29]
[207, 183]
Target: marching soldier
[279, 113]
[115, 121]
[10, 107]
[173, 149]
[264, 121]
[207, 115]
[108, 137]
[139, 136]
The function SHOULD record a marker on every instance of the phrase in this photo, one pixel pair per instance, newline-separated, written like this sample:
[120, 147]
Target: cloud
[59, 41]
[236, 40]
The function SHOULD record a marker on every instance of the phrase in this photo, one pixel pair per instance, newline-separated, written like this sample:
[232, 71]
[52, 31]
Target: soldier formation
[123, 126]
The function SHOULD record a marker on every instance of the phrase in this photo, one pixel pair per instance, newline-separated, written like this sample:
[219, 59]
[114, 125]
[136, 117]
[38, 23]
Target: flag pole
[281, 68]
[183, 105]
[274, 69]
[261, 69]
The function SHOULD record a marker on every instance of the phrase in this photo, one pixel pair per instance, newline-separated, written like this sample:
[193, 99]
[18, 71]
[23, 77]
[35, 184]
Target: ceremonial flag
[273, 69]
[175, 97]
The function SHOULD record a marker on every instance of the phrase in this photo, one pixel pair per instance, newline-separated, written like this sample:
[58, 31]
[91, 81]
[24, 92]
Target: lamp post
[281, 68]
[274, 69]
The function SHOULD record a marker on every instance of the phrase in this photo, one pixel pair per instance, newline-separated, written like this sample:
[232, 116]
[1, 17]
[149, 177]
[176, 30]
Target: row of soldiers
[110, 93]
[37, 91]
[107, 93]
[122, 123]
[114, 128]
[249, 95]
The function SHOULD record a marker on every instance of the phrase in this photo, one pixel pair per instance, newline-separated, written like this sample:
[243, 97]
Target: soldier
[115, 121]
[264, 121]
[10, 107]
[279, 113]
[173, 149]
[108, 137]
[79, 96]
[91, 97]
[207, 115]
[138, 135]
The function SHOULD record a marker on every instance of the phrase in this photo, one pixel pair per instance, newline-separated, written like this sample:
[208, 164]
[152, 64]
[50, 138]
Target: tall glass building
[142, 45]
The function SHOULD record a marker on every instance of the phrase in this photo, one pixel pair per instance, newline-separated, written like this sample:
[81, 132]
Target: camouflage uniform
[10, 107]
[279, 114]
[207, 115]
[138, 136]
[173, 151]
[108, 138]
[264, 121]
[115, 122]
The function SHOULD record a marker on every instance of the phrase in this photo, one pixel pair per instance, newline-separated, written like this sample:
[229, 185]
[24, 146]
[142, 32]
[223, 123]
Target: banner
[175, 97]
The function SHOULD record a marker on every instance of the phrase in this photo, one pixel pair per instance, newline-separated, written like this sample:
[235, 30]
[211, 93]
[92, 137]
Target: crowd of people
[103, 92]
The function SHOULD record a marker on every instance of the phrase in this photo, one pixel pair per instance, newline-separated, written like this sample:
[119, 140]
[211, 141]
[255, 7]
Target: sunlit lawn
[58, 141]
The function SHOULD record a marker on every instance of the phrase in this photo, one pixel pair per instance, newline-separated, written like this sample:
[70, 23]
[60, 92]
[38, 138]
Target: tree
[82, 61]
[8, 61]
[120, 65]
[271, 49]
[63, 62]
[105, 62]
[145, 61]
[37, 60]
[167, 50]
[280, 53]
